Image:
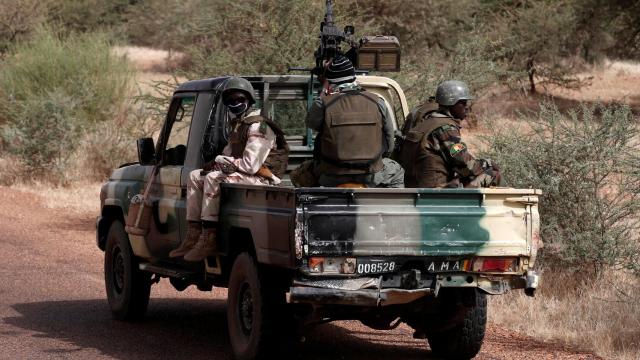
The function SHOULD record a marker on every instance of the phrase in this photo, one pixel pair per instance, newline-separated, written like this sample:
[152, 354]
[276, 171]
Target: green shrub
[53, 90]
[112, 143]
[80, 66]
[43, 134]
[586, 164]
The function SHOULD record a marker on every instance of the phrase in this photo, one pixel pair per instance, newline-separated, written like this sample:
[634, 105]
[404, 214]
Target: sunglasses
[235, 99]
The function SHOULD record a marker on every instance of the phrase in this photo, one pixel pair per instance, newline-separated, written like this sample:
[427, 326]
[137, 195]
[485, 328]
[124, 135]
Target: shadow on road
[189, 328]
[327, 341]
[173, 328]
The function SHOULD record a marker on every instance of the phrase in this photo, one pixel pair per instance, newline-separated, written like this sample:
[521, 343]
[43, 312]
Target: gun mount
[370, 53]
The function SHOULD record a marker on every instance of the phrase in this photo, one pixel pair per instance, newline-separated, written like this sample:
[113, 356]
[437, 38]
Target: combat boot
[194, 230]
[207, 246]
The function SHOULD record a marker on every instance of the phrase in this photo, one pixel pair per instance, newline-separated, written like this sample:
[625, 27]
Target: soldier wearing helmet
[256, 154]
[433, 154]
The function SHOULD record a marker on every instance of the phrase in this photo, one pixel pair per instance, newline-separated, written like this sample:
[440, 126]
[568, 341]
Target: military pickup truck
[292, 257]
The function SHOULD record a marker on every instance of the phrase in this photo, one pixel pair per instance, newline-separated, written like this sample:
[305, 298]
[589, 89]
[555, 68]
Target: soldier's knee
[195, 180]
[194, 175]
[392, 167]
[215, 177]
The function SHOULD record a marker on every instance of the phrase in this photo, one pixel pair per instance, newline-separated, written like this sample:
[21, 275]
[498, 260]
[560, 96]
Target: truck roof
[212, 83]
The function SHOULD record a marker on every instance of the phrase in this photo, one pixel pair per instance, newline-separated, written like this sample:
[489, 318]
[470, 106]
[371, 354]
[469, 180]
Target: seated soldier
[355, 133]
[256, 154]
[433, 154]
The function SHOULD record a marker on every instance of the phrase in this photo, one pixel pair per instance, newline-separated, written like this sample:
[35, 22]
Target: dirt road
[53, 306]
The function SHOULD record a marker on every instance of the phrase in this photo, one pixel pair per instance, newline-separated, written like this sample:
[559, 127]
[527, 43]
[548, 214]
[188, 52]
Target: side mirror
[146, 151]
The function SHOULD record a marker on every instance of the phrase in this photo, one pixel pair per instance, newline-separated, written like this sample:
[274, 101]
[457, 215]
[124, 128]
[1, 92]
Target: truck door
[166, 195]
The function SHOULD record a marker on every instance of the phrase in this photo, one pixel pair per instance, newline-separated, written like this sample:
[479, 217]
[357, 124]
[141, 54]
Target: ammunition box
[380, 53]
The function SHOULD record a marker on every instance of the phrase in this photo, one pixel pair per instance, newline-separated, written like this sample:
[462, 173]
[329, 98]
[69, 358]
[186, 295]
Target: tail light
[490, 264]
[332, 265]
[316, 264]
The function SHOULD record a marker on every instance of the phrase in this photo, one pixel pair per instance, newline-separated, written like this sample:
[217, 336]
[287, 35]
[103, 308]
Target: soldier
[355, 132]
[256, 154]
[433, 153]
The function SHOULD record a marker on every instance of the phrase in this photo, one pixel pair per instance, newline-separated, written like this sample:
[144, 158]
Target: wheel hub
[246, 309]
[118, 271]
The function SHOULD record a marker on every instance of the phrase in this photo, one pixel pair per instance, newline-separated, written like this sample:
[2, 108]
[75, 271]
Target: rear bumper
[375, 292]
[363, 297]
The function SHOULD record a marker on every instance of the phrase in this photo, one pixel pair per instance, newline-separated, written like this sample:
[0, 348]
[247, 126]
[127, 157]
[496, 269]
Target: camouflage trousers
[391, 176]
[484, 180]
[203, 192]
[490, 177]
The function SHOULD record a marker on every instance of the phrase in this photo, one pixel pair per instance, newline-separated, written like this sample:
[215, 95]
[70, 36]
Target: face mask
[238, 109]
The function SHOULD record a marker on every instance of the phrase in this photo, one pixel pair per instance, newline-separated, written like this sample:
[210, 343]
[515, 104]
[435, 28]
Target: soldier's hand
[225, 164]
[208, 166]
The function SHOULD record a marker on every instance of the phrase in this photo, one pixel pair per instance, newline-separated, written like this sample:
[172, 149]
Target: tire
[257, 316]
[464, 340]
[127, 286]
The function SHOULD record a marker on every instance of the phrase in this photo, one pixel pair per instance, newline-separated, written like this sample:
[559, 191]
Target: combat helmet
[450, 92]
[235, 83]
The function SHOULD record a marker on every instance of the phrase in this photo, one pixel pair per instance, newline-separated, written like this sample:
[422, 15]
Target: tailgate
[419, 222]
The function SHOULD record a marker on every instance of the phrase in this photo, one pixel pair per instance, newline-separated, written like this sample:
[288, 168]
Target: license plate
[445, 266]
[375, 266]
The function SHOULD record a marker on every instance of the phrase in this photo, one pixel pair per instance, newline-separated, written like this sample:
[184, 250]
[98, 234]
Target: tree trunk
[531, 70]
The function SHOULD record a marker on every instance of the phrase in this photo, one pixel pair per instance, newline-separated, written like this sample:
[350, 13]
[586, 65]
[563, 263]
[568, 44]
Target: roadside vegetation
[70, 110]
[586, 163]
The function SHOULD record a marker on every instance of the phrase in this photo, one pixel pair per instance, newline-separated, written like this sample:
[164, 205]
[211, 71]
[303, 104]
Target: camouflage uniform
[203, 191]
[447, 160]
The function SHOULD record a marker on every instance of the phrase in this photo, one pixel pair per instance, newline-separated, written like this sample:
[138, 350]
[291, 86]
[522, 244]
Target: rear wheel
[464, 340]
[257, 317]
[127, 286]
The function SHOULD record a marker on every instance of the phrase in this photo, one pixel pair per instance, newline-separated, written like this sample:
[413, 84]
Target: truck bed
[453, 223]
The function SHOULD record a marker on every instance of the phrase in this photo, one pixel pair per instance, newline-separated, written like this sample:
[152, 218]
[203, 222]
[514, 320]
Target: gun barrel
[328, 17]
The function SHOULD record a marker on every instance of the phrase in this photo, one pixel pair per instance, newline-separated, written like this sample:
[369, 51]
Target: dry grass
[629, 67]
[12, 170]
[150, 60]
[80, 198]
[613, 81]
[602, 315]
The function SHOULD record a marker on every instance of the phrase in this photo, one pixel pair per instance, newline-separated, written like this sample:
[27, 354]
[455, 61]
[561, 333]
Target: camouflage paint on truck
[438, 232]
[420, 222]
[168, 206]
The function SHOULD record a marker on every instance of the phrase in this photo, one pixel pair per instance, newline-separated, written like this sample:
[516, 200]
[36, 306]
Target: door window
[177, 131]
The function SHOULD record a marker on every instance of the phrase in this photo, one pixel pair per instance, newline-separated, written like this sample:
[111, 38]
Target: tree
[19, 19]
